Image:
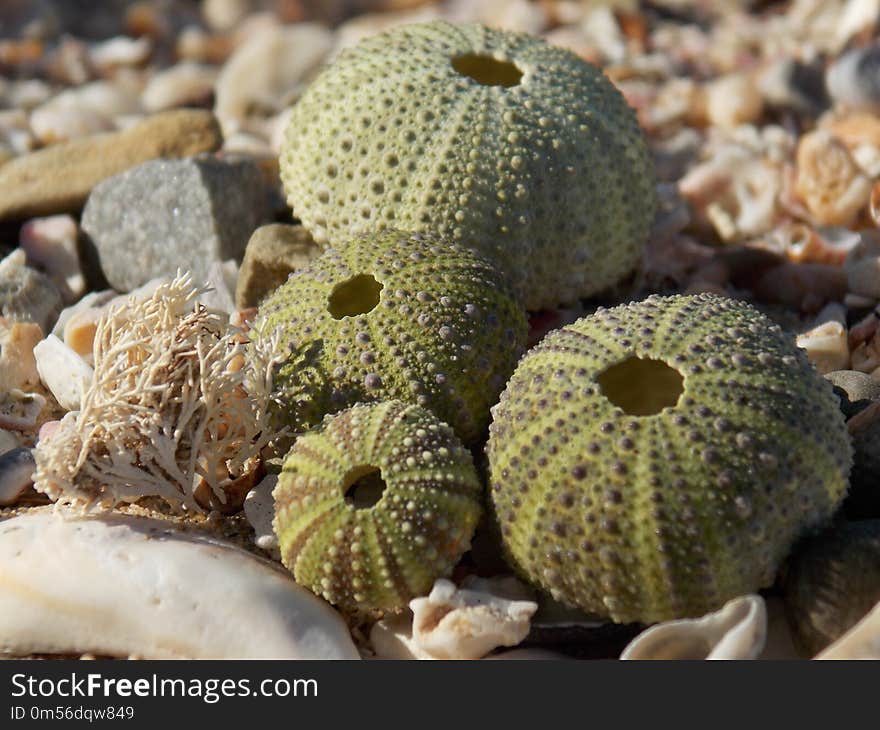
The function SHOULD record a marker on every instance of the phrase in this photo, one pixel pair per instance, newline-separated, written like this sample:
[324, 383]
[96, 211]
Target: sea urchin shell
[376, 504]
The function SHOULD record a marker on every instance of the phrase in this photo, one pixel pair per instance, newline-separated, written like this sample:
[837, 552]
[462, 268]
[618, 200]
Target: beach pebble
[272, 253]
[18, 368]
[16, 474]
[62, 371]
[268, 72]
[26, 295]
[82, 111]
[182, 214]
[59, 178]
[259, 510]
[185, 84]
[853, 80]
[51, 245]
[120, 51]
[120, 585]
[225, 14]
[19, 411]
[733, 100]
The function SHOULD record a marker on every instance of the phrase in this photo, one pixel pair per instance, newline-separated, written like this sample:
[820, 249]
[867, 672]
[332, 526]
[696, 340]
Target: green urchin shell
[725, 447]
[381, 556]
[543, 167]
[442, 330]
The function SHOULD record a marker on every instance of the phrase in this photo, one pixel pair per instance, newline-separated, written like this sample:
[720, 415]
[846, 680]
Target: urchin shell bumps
[494, 139]
[393, 316]
[361, 554]
[654, 460]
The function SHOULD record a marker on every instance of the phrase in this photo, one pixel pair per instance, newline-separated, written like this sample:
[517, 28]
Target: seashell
[51, 245]
[457, 623]
[16, 474]
[18, 367]
[862, 641]
[831, 582]
[828, 180]
[733, 100]
[26, 295]
[63, 372]
[259, 510]
[185, 84]
[737, 631]
[852, 79]
[120, 585]
[827, 346]
[267, 72]
[856, 129]
[120, 51]
[19, 410]
[804, 244]
[52, 123]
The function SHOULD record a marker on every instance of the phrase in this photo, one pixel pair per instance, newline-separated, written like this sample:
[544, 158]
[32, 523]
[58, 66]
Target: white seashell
[19, 410]
[827, 346]
[51, 123]
[16, 474]
[92, 300]
[29, 93]
[733, 100]
[63, 372]
[18, 367]
[179, 85]
[120, 585]
[259, 510]
[737, 631]
[268, 71]
[862, 641]
[120, 51]
[857, 16]
[391, 638]
[51, 245]
[468, 623]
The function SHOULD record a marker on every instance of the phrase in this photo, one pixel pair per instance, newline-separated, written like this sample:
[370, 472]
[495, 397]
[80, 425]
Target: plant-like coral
[657, 459]
[492, 139]
[392, 316]
[172, 406]
[375, 504]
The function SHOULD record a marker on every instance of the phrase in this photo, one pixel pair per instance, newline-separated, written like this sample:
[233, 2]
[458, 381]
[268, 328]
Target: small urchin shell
[375, 504]
[393, 316]
[654, 460]
[494, 139]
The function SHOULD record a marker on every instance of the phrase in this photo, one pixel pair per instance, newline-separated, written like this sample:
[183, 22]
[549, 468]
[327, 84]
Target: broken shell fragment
[121, 586]
[737, 631]
[826, 346]
[63, 372]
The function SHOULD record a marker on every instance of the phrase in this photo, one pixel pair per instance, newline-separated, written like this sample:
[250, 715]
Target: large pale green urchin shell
[494, 139]
[393, 316]
[654, 460]
[376, 504]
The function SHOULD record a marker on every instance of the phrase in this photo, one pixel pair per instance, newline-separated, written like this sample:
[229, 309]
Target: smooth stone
[51, 245]
[736, 631]
[178, 214]
[58, 179]
[272, 254]
[26, 295]
[181, 85]
[853, 80]
[63, 372]
[16, 474]
[120, 51]
[123, 586]
[269, 71]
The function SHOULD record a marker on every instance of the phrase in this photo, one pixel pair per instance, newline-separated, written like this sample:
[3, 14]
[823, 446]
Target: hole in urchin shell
[363, 487]
[486, 70]
[357, 295]
[641, 386]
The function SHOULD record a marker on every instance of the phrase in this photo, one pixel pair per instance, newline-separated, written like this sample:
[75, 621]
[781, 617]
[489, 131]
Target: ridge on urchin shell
[494, 139]
[393, 316]
[667, 504]
[375, 504]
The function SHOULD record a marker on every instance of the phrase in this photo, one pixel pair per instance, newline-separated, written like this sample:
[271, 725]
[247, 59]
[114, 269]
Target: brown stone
[58, 179]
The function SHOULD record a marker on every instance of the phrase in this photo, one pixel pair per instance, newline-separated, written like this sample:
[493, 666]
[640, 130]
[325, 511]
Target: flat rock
[58, 179]
[170, 214]
[121, 586]
[273, 252]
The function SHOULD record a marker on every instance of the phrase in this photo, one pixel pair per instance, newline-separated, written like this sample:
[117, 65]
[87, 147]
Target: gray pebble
[854, 79]
[16, 474]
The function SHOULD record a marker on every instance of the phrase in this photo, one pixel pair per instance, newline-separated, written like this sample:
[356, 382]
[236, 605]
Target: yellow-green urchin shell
[494, 139]
[654, 460]
[375, 504]
[393, 316]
